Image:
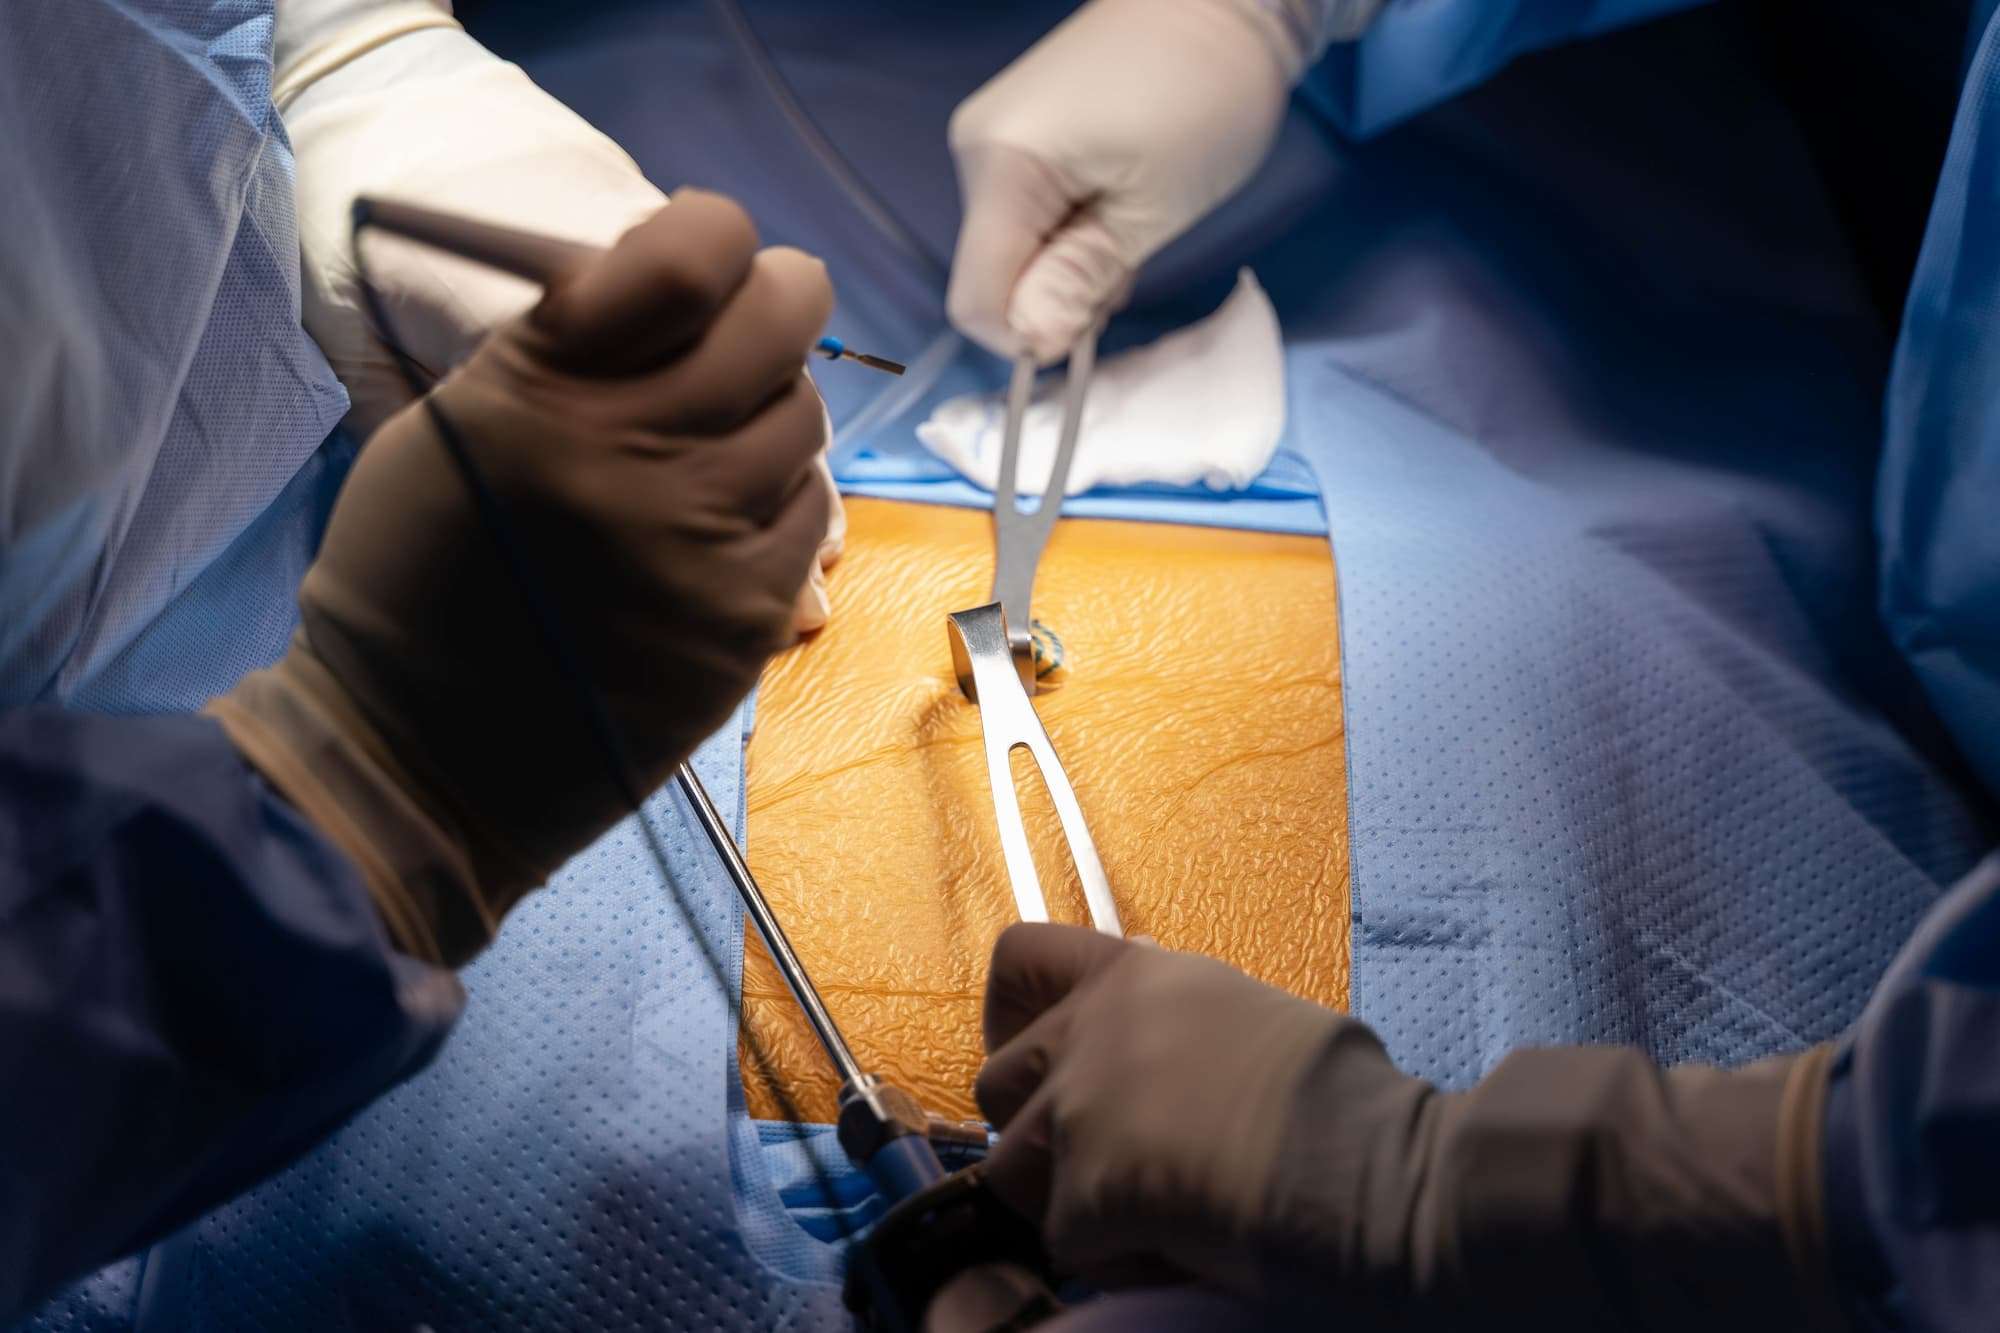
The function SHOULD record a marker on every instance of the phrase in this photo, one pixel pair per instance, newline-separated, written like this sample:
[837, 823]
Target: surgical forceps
[993, 654]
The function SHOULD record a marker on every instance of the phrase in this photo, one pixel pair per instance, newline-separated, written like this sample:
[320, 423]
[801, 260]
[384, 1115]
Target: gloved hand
[390, 98]
[1163, 1113]
[1110, 137]
[649, 433]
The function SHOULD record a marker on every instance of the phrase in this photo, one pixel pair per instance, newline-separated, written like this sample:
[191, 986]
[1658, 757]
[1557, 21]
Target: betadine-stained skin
[1213, 779]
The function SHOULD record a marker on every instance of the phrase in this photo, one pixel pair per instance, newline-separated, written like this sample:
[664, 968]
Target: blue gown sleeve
[194, 987]
[1913, 1127]
[1935, 499]
[1418, 53]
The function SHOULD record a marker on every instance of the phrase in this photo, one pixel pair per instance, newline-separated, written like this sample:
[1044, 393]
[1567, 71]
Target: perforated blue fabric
[566, 1163]
[237, 614]
[101, 1303]
[1589, 802]
[161, 391]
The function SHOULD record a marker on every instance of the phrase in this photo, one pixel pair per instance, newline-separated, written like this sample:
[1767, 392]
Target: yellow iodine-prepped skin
[1198, 715]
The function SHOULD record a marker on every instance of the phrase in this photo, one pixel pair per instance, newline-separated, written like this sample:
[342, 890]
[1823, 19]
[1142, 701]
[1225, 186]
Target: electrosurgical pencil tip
[833, 349]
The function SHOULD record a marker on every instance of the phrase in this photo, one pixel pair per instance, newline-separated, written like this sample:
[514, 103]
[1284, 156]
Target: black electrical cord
[589, 702]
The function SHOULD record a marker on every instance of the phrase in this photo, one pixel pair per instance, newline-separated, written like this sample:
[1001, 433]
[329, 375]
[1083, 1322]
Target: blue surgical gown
[1913, 1122]
[1912, 1150]
[1938, 498]
[159, 396]
[193, 985]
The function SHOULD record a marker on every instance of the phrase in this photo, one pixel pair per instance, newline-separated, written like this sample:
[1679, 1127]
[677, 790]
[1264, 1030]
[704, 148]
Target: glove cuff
[1801, 1185]
[295, 725]
[355, 39]
[1588, 1185]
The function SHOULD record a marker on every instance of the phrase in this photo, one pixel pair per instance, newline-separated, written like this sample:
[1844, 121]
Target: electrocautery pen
[525, 254]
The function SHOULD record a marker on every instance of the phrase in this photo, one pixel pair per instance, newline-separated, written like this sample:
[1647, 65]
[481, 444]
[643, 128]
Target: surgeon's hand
[430, 117]
[1110, 137]
[1162, 1115]
[650, 436]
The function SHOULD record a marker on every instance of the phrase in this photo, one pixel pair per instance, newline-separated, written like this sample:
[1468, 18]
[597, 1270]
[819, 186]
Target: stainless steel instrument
[992, 649]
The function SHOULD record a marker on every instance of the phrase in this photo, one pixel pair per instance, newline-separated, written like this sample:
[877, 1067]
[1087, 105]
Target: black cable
[585, 695]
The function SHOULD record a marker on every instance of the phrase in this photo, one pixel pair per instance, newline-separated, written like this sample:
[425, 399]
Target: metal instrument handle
[768, 928]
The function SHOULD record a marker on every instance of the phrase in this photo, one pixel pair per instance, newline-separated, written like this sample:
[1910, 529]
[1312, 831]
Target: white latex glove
[1110, 137]
[392, 98]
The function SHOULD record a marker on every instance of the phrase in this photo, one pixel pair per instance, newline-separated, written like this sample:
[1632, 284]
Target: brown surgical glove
[1162, 1114]
[649, 434]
